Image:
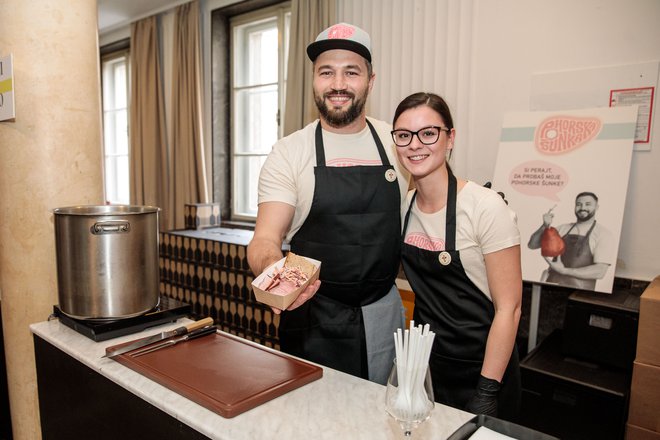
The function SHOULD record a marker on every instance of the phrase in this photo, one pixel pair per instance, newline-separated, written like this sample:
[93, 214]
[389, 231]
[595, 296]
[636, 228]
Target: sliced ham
[284, 280]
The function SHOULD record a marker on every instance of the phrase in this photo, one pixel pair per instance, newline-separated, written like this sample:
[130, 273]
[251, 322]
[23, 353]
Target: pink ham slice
[285, 280]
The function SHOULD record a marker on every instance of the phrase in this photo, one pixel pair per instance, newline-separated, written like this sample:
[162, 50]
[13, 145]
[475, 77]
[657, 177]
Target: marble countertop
[336, 406]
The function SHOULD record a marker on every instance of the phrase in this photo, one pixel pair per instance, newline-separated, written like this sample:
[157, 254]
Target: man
[333, 191]
[588, 246]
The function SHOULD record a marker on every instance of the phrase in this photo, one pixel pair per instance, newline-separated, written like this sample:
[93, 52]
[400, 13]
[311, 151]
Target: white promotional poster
[566, 176]
[7, 110]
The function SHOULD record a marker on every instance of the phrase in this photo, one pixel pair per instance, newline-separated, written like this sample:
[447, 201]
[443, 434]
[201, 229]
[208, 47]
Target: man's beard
[339, 118]
[581, 219]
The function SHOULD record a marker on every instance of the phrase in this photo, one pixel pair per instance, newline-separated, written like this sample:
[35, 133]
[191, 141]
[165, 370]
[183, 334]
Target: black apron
[577, 254]
[460, 315]
[352, 228]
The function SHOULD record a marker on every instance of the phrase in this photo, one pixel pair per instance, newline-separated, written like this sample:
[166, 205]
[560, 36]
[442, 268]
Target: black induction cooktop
[168, 310]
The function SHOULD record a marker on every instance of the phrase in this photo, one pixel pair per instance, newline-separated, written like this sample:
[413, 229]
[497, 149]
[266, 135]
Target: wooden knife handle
[199, 324]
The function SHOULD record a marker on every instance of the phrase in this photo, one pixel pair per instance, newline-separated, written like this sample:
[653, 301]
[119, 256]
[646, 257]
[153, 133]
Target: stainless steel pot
[107, 260]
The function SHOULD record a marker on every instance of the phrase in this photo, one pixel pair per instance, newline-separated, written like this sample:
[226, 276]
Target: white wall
[485, 53]
[481, 55]
[514, 39]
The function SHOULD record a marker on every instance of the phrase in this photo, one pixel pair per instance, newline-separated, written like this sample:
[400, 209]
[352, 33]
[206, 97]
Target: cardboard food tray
[278, 300]
[501, 426]
[223, 373]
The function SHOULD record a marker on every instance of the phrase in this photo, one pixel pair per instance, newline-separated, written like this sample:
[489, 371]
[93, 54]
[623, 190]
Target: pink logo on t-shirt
[561, 134]
[340, 31]
[423, 241]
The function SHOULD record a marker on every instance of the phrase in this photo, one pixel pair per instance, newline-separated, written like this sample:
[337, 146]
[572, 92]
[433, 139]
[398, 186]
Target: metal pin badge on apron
[444, 258]
[390, 175]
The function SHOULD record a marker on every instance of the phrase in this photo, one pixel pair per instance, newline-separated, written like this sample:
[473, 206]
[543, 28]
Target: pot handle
[110, 227]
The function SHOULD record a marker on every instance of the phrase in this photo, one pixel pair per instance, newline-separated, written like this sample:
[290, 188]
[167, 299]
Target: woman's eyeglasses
[427, 135]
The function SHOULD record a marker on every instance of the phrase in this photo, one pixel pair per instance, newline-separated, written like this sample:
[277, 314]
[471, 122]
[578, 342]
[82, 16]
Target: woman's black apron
[353, 229]
[460, 315]
[577, 254]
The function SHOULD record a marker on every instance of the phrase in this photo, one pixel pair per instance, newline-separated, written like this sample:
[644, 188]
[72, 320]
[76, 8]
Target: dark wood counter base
[76, 402]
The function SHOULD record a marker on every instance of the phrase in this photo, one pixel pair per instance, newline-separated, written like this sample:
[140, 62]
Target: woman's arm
[505, 284]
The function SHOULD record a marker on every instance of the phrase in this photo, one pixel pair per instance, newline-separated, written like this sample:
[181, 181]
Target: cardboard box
[277, 300]
[648, 333]
[636, 433]
[645, 397]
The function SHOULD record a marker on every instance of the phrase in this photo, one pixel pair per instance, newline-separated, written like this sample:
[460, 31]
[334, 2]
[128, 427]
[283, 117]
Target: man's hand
[489, 186]
[304, 296]
[557, 266]
[548, 217]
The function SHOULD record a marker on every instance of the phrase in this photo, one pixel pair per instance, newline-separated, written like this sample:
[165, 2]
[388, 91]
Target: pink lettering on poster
[539, 178]
[562, 134]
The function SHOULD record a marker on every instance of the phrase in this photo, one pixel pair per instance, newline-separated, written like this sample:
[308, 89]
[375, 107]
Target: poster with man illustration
[566, 176]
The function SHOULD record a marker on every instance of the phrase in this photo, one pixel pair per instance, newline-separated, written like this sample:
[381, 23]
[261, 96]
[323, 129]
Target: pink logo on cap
[340, 31]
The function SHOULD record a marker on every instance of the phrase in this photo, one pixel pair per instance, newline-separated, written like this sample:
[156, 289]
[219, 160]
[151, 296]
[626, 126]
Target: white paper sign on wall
[7, 111]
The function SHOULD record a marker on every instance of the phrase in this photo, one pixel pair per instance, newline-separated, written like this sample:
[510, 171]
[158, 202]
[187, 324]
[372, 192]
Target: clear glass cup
[409, 401]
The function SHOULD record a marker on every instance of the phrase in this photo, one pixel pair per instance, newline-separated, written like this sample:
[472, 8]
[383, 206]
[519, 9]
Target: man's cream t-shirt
[288, 173]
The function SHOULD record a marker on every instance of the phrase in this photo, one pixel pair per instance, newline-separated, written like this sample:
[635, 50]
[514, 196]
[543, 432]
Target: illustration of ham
[552, 245]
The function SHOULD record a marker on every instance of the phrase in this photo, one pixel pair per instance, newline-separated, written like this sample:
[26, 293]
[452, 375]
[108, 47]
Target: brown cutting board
[223, 373]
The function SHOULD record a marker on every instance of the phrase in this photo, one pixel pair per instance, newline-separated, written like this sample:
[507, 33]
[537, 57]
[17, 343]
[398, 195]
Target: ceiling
[114, 14]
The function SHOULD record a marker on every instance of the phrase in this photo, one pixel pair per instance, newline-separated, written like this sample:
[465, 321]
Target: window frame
[110, 55]
[282, 12]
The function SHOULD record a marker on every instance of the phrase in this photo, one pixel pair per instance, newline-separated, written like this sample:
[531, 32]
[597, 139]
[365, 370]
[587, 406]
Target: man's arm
[535, 239]
[273, 221]
[594, 271]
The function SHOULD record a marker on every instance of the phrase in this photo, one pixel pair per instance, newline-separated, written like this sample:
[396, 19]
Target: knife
[179, 331]
[170, 342]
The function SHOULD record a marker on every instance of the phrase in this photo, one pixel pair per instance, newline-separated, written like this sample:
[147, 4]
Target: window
[114, 72]
[259, 47]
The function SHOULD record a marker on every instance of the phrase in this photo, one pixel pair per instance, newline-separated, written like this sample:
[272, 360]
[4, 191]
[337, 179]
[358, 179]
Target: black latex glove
[484, 400]
[489, 185]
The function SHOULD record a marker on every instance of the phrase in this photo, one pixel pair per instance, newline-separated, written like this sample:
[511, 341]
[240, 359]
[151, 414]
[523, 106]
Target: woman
[461, 255]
